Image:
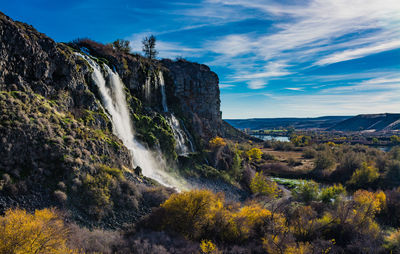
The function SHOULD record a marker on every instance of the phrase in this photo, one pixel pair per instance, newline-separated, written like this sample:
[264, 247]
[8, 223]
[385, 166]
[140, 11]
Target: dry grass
[284, 157]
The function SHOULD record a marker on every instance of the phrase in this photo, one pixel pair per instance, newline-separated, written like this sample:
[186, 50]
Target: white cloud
[294, 88]
[256, 84]
[358, 53]
[231, 45]
[372, 85]
[272, 69]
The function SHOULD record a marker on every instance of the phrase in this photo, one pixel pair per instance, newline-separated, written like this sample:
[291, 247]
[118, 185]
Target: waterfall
[147, 89]
[162, 87]
[113, 99]
[180, 136]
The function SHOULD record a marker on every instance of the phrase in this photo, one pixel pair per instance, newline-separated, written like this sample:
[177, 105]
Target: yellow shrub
[370, 202]
[254, 154]
[363, 176]
[217, 141]
[196, 213]
[42, 232]
[188, 212]
[261, 185]
[207, 247]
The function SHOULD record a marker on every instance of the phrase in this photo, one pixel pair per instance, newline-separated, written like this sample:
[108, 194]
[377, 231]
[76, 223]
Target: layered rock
[196, 88]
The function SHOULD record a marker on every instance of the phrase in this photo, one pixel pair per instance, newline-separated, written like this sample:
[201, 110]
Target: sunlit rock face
[196, 88]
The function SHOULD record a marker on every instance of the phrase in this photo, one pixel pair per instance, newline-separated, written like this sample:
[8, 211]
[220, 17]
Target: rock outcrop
[196, 88]
[56, 141]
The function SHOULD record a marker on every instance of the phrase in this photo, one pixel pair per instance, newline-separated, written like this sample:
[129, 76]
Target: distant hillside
[372, 122]
[323, 122]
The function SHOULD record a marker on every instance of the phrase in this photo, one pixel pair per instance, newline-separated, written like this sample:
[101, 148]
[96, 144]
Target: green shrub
[268, 157]
[307, 191]
[324, 160]
[349, 162]
[332, 193]
[236, 168]
[309, 153]
[283, 146]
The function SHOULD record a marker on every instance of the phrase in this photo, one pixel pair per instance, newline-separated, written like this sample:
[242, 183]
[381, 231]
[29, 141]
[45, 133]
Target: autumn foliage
[217, 142]
[41, 232]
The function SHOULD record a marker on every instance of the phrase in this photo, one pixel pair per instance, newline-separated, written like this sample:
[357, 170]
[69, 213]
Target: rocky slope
[56, 141]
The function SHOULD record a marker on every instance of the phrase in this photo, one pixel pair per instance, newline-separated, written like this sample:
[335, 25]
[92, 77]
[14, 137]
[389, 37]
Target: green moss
[125, 65]
[115, 172]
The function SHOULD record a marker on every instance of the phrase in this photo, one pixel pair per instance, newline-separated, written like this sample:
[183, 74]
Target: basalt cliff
[58, 145]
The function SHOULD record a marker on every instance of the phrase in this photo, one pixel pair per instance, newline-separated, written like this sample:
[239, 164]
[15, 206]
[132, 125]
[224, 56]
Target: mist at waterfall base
[113, 99]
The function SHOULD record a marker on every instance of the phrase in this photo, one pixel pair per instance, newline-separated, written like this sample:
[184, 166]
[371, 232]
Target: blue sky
[286, 58]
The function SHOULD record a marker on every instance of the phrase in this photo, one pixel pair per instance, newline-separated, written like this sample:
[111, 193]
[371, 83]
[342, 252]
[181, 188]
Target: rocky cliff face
[196, 88]
[192, 89]
[56, 141]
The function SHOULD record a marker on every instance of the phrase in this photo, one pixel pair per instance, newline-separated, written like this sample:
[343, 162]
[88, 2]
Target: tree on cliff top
[122, 45]
[149, 47]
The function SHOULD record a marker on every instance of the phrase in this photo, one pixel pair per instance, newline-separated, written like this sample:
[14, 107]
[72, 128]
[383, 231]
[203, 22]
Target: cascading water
[114, 101]
[180, 136]
[147, 89]
[162, 88]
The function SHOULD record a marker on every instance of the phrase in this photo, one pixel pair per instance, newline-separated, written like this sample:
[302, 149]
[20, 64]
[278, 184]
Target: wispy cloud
[290, 48]
[294, 88]
[256, 84]
[224, 86]
[319, 31]
[358, 53]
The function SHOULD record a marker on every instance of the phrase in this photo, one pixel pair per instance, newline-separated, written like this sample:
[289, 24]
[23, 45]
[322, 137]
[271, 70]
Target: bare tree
[149, 47]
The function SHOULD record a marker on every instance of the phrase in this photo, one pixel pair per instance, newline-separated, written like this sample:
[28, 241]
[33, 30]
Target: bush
[364, 177]
[392, 242]
[393, 171]
[349, 162]
[293, 162]
[156, 196]
[94, 241]
[201, 214]
[324, 160]
[60, 196]
[236, 168]
[268, 157]
[208, 247]
[309, 153]
[188, 212]
[217, 142]
[370, 203]
[307, 191]
[395, 153]
[332, 193]
[41, 232]
[393, 207]
[260, 185]
[283, 146]
[254, 154]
